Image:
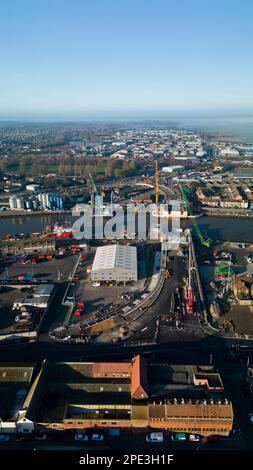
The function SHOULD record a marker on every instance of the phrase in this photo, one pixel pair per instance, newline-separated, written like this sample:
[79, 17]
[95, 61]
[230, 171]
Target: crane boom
[204, 241]
[156, 184]
[95, 190]
[93, 184]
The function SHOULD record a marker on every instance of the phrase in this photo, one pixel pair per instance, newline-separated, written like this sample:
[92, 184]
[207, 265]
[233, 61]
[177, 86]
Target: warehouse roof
[115, 256]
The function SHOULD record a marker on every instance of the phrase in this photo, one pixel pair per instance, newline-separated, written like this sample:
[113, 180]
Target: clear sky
[102, 58]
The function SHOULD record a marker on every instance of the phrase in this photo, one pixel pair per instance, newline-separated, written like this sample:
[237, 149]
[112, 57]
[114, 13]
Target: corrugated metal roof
[115, 256]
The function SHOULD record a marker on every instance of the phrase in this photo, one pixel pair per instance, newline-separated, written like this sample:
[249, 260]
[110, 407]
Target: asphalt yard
[145, 326]
[56, 269]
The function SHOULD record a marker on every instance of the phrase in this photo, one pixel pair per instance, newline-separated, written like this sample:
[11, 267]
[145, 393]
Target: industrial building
[173, 168]
[51, 201]
[32, 187]
[130, 395]
[40, 298]
[115, 263]
[42, 201]
[28, 246]
[15, 382]
[243, 289]
[24, 318]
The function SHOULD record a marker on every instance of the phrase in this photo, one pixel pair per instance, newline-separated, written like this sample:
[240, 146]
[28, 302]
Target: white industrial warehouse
[115, 263]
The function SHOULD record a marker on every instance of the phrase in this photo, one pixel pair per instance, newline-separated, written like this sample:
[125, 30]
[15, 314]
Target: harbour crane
[95, 191]
[204, 241]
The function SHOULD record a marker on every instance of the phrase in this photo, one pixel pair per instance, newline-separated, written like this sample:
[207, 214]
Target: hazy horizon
[86, 60]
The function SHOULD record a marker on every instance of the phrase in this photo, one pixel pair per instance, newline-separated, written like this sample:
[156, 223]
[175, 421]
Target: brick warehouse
[134, 395]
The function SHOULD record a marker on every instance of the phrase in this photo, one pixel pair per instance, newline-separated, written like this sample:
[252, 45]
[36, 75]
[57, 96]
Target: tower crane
[156, 184]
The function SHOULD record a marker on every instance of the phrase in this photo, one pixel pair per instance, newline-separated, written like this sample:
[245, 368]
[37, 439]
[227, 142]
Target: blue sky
[102, 58]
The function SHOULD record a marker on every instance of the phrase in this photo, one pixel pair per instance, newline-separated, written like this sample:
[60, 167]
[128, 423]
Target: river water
[217, 228]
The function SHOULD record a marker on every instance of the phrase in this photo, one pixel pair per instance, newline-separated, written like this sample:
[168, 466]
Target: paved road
[128, 440]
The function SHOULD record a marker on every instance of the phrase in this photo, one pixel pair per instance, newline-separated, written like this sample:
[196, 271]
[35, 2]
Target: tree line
[34, 165]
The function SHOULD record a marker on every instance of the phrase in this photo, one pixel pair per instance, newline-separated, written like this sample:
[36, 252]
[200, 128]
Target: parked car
[194, 438]
[213, 438]
[96, 284]
[154, 437]
[179, 436]
[97, 437]
[251, 417]
[80, 436]
[28, 437]
[41, 437]
[23, 317]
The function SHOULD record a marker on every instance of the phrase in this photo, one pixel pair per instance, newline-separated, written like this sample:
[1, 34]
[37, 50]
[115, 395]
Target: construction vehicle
[204, 241]
[168, 273]
[224, 271]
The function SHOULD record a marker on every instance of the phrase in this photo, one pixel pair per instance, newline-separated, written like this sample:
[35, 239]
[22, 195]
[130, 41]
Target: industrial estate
[127, 335]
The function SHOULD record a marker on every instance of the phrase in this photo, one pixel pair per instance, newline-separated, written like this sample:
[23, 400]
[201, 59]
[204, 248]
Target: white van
[154, 437]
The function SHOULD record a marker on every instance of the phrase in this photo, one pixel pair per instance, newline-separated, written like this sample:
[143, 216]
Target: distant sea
[241, 128]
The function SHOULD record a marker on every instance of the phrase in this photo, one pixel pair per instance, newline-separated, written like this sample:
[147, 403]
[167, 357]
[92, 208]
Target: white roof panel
[115, 256]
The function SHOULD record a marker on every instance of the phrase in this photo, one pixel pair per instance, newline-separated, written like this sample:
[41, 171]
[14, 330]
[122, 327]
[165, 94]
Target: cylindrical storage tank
[50, 202]
[61, 203]
[46, 200]
[13, 202]
[40, 199]
[28, 204]
[20, 203]
[35, 203]
[54, 201]
[57, 202]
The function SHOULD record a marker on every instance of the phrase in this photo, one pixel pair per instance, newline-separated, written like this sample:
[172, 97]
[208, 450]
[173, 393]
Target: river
[217, 228]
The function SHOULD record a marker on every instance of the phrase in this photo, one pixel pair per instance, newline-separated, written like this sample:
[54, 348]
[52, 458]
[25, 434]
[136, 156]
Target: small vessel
[63, 230]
